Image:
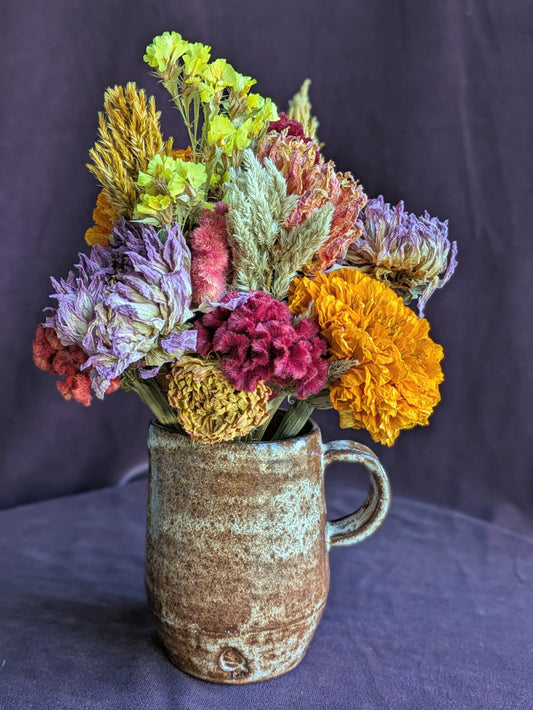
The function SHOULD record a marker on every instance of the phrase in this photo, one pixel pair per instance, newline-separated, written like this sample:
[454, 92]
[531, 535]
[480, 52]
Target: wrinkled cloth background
[426, 102]
[422, 102]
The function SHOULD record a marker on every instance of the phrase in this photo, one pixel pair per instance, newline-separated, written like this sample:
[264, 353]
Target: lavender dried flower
[128, 304]
[411, 254]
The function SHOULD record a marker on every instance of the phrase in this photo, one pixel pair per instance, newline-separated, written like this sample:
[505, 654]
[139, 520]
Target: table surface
[433, 611]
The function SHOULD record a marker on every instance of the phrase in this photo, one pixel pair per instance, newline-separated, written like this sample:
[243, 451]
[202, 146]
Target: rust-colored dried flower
[395, 384]
[208, 408]
[104, 214]
[316, 183]
[51, 355]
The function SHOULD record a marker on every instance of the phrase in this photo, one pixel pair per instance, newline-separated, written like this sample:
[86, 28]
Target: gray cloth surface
[433, 611]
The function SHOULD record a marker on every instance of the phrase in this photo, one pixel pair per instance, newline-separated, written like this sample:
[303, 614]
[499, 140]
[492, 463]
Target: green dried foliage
[337, 368]
[266, 256]
[298, 246]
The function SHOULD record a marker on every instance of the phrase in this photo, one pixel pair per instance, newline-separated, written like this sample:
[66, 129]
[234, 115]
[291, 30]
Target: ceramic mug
[237, 570]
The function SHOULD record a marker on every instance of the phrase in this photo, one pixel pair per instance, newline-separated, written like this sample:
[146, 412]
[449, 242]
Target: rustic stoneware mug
[237, 570]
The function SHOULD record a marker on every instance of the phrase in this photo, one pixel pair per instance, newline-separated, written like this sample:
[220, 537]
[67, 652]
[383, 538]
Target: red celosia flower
[259, 341]
[210, 255]
[51, 355]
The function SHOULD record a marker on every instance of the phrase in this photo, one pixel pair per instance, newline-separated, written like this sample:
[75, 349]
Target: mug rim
[310, 429]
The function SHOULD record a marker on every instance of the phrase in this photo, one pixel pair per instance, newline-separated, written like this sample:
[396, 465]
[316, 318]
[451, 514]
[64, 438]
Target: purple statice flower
[128, 304]
[413, 255]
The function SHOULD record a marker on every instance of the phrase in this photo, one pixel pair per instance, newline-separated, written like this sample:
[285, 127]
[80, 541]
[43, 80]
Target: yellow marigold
[208, 408]
[396, 382]
[104, 214]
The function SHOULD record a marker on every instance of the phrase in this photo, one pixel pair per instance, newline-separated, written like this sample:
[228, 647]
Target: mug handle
[366, 519]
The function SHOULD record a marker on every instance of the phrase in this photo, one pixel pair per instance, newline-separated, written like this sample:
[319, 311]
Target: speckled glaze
[237, 571]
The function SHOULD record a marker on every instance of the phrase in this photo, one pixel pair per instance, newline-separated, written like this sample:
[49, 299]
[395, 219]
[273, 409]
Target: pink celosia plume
[210, 255]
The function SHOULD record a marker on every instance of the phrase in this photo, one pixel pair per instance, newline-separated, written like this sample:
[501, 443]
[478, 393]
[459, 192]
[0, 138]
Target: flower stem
[294, 420]
[152, 395]
[257, 434]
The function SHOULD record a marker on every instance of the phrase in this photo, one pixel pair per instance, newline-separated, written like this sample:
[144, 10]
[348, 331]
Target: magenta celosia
[210, 255]
[259, 341]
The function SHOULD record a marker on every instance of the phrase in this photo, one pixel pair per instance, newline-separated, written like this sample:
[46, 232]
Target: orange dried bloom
[104, 214]
[316, 182]
[183, 154]
[396, 382]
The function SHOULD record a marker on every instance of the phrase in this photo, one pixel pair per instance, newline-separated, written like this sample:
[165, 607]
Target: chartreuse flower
[222, 117]
[219, 75]
[176, 173]
[154, 210]
[267, 112]
[196, 58]
[224, 134]
[242, 84]
[220, 129]
[169, 181]
[165, 50]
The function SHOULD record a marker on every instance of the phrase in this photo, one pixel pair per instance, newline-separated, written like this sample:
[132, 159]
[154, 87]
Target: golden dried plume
[300, 110]
[128, 137]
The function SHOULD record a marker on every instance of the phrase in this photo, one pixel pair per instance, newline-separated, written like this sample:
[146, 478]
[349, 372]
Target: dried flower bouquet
[243, 271]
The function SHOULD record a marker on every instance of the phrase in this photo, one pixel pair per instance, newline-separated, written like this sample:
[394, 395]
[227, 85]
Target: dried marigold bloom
[395, 384]
[183, 153]
[208, 408]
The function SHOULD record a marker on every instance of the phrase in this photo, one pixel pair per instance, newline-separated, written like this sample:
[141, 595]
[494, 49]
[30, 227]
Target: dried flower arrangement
[243, 270]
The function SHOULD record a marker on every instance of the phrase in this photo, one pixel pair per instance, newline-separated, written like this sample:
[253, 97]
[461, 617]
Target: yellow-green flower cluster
[232, 117]
[165, 50]
[235, 135]
[171, 187]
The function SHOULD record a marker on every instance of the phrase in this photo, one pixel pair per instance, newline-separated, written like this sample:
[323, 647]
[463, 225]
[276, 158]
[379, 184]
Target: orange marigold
[104, 214]
[395, 384]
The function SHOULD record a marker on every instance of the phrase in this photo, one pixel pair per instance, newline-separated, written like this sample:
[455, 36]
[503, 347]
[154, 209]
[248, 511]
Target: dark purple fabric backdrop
[426, 102]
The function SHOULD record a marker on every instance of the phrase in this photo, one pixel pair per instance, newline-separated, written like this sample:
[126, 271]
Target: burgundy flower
[295, 128]
[259, 341]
